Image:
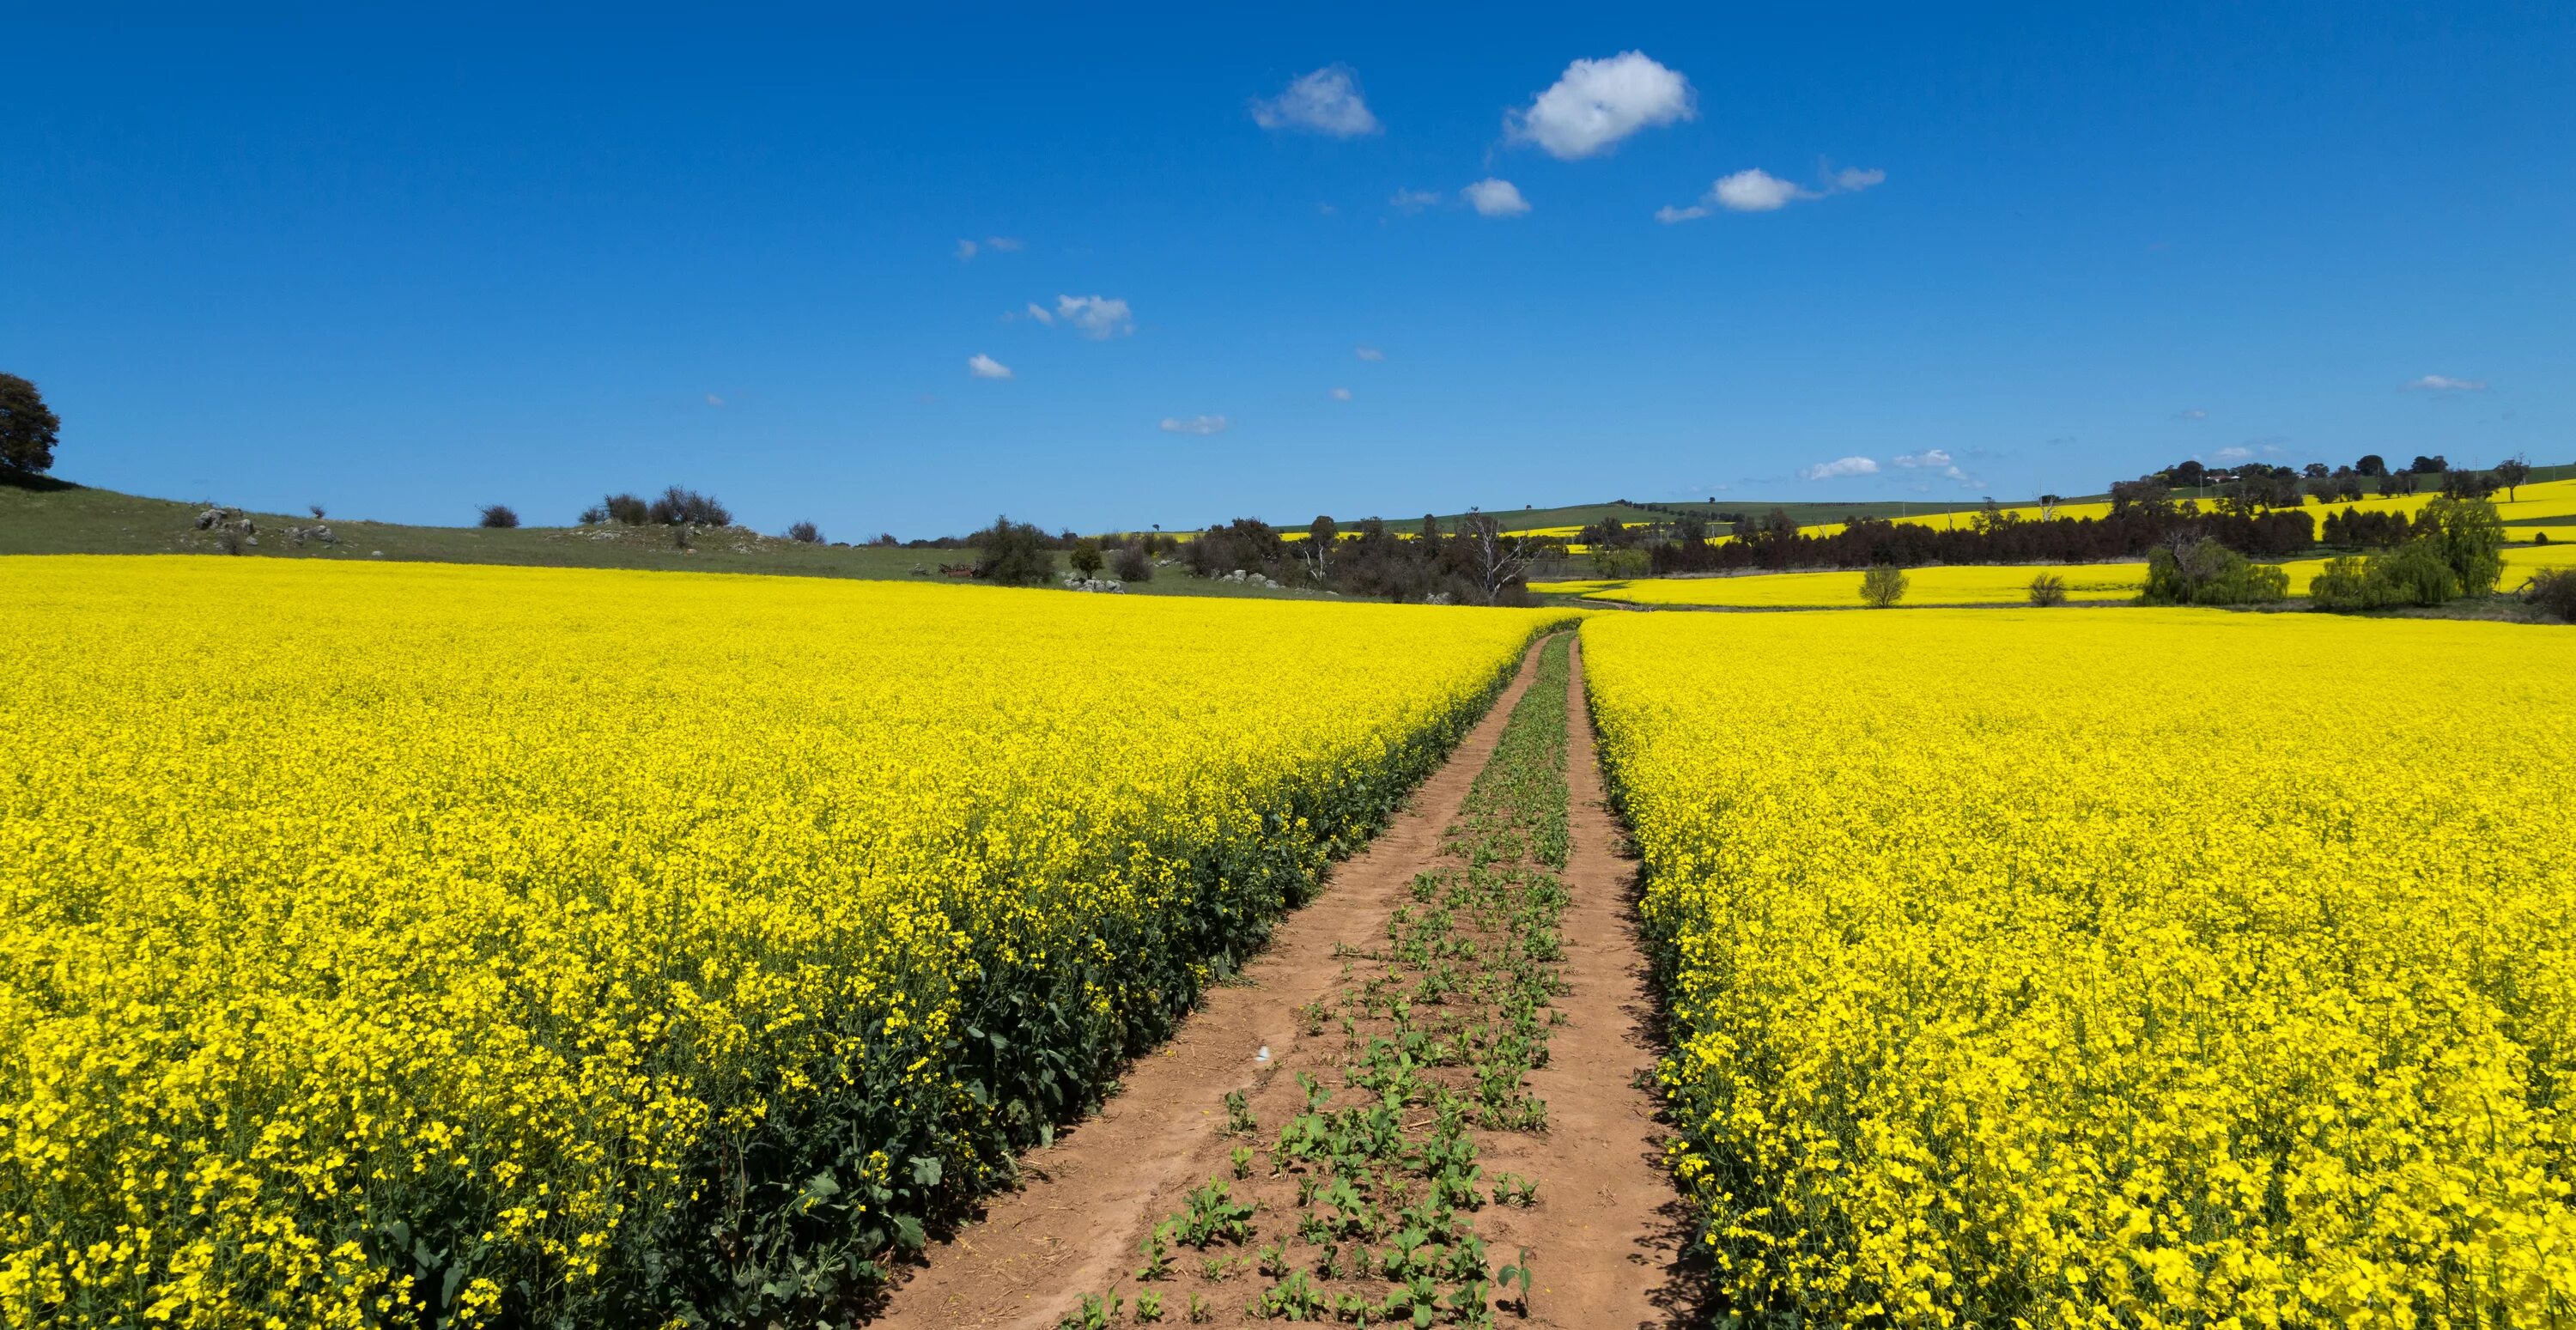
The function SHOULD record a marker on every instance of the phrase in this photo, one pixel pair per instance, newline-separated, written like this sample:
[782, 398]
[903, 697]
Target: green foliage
[2208, 573]
[2553, 590]
[1013, 553]
[498, 516]
[2047, 589]
[28, 428]
[806, 532]
[1132, 563]
[1882, 585]
[2470, 538]
[1085, 556]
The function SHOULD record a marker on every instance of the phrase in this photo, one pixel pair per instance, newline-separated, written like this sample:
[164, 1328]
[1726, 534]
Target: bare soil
[1607, 1235]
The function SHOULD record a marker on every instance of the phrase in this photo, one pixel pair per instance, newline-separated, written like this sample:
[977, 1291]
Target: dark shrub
[625, 509]
[682, 505]
[2554, 591]
[806, 532]
[1013, 553]
[2208, 573]
[1085, 557]
[2047, 589]
[499, 516]
[1130, 563]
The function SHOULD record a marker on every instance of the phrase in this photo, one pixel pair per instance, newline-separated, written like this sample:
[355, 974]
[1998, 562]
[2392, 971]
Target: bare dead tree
[1499, 560]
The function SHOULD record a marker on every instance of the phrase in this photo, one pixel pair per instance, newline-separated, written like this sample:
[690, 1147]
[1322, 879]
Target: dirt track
[1606, 1231]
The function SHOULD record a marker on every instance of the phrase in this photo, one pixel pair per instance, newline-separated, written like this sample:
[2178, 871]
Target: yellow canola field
[1959, 584]
[2023, 976]
[2554, 498]
[493, 945]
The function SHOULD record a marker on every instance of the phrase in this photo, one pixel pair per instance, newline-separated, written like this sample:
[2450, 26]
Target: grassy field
[55, 517]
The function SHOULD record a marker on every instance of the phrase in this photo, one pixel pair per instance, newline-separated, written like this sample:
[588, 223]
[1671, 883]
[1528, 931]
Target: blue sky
[405, 269]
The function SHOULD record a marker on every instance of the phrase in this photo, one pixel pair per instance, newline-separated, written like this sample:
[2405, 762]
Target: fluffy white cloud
[1929, 457]
[2444, 383]
[1754, 190]
[1325, 102]
[1757, 190]
[1496, 198]
[1199, 425]
[1341, 394]
[1596, 103]
[1368, 353]
[985, 367]
[1414, 200]
[1840, 466]
[1095, 317]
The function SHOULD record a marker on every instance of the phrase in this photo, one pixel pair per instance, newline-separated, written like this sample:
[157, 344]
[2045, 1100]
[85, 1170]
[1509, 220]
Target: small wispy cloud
[1325, 102]
[1199, 425]
[985, 367]
[1495, 198]
[1415, 200]
[965, 250]
[1840, 466]
[1368, 353]
[1929, 457]
[1596, 103]
[2233, 454]
[2444, 383]
[1039, 312]
[1002, 244]
[1757, 190]
[1096, 317]
[1341, 394]
[2193, 414]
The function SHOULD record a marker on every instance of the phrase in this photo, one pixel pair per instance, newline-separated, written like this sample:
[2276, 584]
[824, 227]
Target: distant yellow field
[2556, 498]
[1964, 584]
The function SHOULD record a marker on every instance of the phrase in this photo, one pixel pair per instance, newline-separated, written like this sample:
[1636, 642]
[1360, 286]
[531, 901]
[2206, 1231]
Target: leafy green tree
[2510, 473]
[1013, 553]
[28, 428]
[1085, 556]
[1882, 586]
[2470, 538]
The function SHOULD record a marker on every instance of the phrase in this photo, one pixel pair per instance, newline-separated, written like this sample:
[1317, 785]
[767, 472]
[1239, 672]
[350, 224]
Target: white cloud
[1039, 313]
[1368, 353]
[985, 367]
[1596, 103]
[1002, 244]
[965, 250]
[2234, 454]
[1496, 198]
[1415, 200]
[1095, 317]
[1341, 394]
[1757, 190]
[713, 400]
[1324, 102]
[1927, 457]
[1840, 466]
[1954, 473]
[1754, 190]
[2444, 383]
[1199, 425]
[2193, 414]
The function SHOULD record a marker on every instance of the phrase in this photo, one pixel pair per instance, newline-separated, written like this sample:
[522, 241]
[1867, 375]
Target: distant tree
[2430, 466]
[884, 540]
[2554, 591]
[2510, 473]
[2047, 589]
[806, 532]
[1322, 535]
[2204, 572]
[1132, 563]
[1085, 557]
[2190, 473]
[2048, 507]
[2371, 464]
[1882, 585]
[316, 510]
[679, 505]
[626, 510]
[1618, 562]
[28, 428]
[2464, 484]
[593, 515]
[499, 515]
[2470, 538]
[1013, 553]
[1498, 563]
[2314, 471]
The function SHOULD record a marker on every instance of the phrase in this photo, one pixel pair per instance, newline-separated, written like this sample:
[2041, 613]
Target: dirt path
[1089, 1199]
[1609, 1234]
